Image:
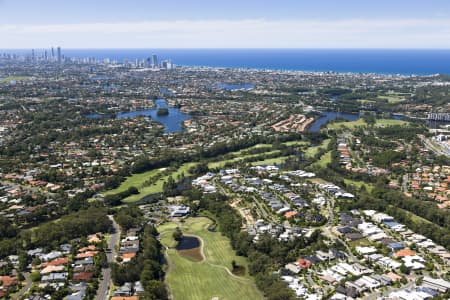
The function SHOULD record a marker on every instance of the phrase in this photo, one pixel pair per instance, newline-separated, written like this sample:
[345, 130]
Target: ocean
[405, 62]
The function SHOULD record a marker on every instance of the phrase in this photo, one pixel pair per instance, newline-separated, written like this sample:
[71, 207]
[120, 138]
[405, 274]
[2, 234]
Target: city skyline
[201, 24]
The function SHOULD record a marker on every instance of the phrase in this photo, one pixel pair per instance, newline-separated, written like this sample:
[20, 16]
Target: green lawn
[311, 151]
[392, 99]
[242, 151]
[190, 280]
[350, 125]
[296, 143]
[222, 163]
[365, 101]
[359, 184]
[137, 180]
[362, 123]
[390, 122]
[271, 161]
[240, 155]
[324, 160]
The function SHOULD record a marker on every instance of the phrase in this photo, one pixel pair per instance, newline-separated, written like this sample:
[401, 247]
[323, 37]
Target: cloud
[252, 33]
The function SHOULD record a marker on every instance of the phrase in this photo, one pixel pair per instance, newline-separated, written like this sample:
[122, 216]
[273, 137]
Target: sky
[225, 24]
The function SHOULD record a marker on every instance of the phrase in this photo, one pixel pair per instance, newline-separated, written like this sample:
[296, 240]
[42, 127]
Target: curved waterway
[327, 116]
[173, 122]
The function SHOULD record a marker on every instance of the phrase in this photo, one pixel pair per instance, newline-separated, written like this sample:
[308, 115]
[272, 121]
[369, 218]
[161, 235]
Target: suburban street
[26, 288]
[328, 231]
[103, 288]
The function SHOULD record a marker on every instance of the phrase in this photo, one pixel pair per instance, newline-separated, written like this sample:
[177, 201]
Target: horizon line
[231, 48]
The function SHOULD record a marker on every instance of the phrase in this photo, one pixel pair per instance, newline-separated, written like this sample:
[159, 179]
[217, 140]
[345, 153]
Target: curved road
[103, 288]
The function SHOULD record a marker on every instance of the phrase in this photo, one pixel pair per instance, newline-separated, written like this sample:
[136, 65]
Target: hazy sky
[225, 24]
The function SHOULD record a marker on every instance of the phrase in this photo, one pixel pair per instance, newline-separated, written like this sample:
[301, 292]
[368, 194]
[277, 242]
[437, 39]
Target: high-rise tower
[59, 55]
[154, 61]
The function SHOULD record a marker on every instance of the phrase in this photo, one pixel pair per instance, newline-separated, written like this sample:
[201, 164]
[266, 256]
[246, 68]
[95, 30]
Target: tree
[35, 276]
[23, 260]
[155, 290]
[133, 190]
[177, 234]
[234, 264]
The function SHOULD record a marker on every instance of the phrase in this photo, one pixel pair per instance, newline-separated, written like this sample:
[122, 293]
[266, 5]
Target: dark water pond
[188, 243]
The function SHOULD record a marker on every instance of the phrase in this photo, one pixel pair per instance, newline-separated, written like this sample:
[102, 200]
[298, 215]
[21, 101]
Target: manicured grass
[296, 143]
[392, 99]
[138, 180]
[251, 148]
[240, 152]
[135, 180]
[350, 125]
[222, 163]
[359, 184]
[362, 123]
[311, 151]
[206, 279]
[240, 155]
[390, 122]
[366, 101]
[271, 161]
[324, 160]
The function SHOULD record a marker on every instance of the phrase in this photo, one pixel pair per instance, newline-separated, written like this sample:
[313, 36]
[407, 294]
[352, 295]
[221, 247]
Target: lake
[172, 122]
[329, 116]
[235, 87]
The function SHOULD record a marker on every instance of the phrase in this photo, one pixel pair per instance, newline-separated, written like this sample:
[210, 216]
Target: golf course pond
[190, 247]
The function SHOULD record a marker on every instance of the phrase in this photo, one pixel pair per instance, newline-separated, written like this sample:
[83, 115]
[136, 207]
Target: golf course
[211, 275]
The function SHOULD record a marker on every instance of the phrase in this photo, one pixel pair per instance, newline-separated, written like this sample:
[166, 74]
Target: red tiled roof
[290, 214]
[303, 263]
[405, 252]
[83, 276]
[56, 262]
[87, 254]
[8, 281]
